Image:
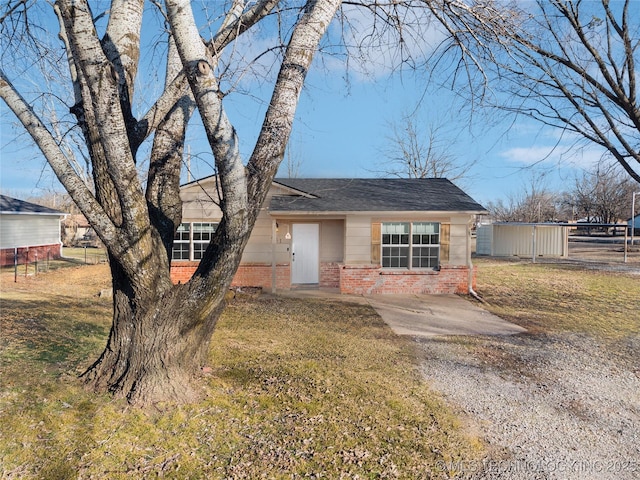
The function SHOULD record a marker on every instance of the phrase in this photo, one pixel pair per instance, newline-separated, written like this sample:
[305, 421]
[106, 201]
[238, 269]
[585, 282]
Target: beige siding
[259, 249]
[459, 233]
[358, 236]
[347, 241]
[332, 241]
[198, 205]
[357, 239]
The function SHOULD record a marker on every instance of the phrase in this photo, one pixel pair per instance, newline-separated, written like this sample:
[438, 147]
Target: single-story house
[28, 232]
[75, 230]
[361, 236]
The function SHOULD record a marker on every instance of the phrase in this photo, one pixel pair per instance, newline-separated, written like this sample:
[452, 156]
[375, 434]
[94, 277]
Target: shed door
[305, 253]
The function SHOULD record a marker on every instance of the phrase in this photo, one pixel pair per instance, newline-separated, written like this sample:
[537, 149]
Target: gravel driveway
[560, 406]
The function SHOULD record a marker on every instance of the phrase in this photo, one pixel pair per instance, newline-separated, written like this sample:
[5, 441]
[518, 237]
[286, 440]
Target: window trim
[410, 245]
[181, 241]
[191, 242]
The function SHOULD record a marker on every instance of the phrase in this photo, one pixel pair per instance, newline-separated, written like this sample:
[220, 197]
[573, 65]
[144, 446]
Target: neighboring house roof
[13, 205]
[373, 195]
[77, 220]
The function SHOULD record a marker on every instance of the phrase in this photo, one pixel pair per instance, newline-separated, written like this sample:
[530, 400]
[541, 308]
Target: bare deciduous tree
[160, 332]
[602, 194]
[534, 203]
[568, 64]
[412, 151]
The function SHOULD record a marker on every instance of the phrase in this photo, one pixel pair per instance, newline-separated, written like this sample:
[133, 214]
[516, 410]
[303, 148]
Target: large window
[425, 245]
[395, 245]
[411, 245]
[202, 233]
[191, 240]
[181, 242]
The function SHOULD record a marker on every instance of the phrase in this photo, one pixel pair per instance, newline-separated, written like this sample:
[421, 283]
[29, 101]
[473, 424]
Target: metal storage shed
[522, 240]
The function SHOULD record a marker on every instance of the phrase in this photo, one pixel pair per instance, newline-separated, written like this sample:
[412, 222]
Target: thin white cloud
[529, 155]
[564, 155]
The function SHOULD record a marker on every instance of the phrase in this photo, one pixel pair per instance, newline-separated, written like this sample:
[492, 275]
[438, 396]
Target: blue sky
[341, 130]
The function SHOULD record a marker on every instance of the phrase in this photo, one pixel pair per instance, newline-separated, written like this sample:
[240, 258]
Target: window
[425, 241]
[202, 233]
[395, 245]
[191, 240]
[181, 242]
[411, 245]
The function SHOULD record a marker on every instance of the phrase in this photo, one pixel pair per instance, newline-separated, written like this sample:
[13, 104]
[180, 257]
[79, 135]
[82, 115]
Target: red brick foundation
[372, 279]
[330, 275]
[181, 272]
[351, 279]
[261, 275]
[30, 255]
[248, 275]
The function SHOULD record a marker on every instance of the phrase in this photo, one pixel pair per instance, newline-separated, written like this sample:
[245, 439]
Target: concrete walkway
[433, 315]
[424, 315]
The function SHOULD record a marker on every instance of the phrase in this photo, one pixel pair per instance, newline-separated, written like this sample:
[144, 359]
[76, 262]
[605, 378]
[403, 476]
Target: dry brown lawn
[295, 389]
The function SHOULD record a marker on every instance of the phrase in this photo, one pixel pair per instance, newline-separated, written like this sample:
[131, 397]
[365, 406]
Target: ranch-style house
[361, 236]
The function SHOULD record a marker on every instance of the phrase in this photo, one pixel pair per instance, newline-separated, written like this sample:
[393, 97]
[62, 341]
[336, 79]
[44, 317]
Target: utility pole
[633, 214]
[188, 163]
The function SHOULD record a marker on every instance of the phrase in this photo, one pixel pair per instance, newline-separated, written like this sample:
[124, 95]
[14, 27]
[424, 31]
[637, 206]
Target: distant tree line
[600, 195]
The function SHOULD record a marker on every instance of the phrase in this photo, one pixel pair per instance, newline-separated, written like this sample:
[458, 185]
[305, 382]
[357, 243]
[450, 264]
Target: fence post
[15, 265]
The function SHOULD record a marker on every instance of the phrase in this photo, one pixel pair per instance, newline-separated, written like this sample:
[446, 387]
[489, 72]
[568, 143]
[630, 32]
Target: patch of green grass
[296, 388]
[559, 297]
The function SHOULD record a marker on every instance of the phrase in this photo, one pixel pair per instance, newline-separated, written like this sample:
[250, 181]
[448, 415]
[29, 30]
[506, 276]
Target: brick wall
[352, 279]
[372, 279]
[181, 272]
[330, 275]
[248, 274]
[30, 254]
[261, 275]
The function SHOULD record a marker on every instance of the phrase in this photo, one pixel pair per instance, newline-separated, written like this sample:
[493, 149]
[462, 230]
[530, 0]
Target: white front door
[305, 253]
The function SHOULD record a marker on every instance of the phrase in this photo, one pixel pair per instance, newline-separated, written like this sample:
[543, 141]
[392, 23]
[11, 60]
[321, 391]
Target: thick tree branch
[236, 24]
[69, 178]
[276, 127]
[172, 93]
[103, 98]
[122, 41]
[163, 182]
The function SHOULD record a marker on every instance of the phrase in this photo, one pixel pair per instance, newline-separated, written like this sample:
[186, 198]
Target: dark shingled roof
[373, 195]
[13, 205]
